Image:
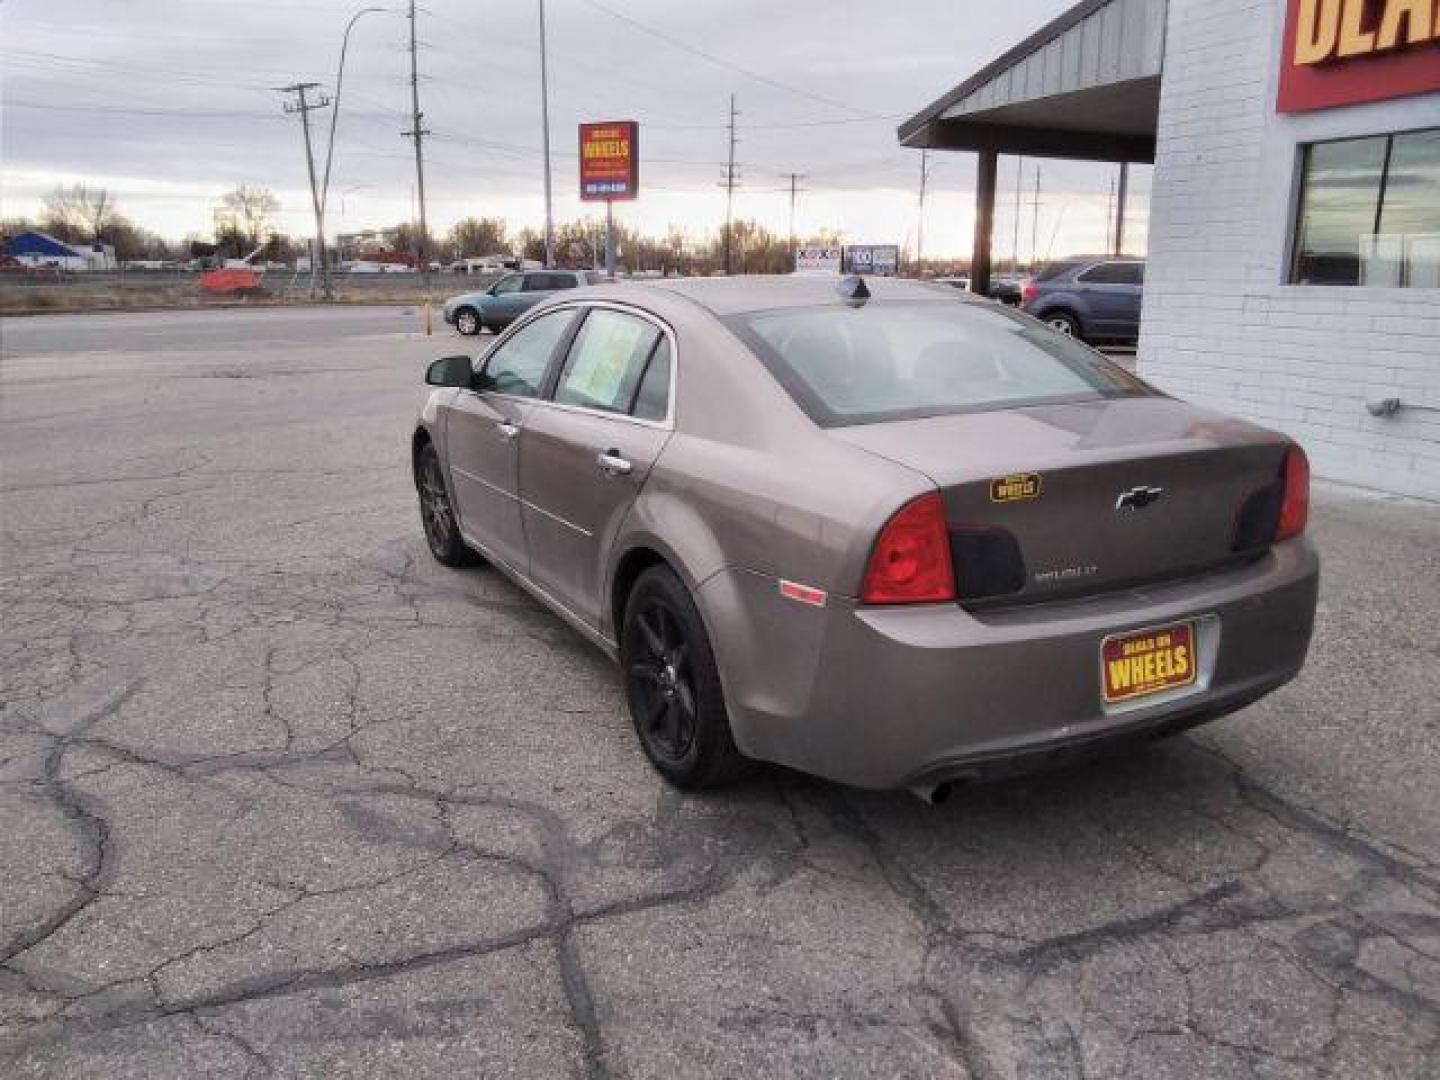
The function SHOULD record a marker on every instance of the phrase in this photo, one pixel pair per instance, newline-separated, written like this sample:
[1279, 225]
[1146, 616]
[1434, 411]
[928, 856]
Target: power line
[120, 110]
[788, 125]
[675, 42]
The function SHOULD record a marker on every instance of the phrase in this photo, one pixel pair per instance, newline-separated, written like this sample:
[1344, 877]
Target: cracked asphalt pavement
[281, 796]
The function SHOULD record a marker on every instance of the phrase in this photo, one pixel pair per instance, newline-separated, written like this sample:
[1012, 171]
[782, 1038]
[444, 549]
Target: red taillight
[1029, 290]
[1295, 504]
[910, 563]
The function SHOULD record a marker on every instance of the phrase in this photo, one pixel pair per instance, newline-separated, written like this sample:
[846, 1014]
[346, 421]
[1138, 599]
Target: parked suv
[498, 306]
[1094, 299]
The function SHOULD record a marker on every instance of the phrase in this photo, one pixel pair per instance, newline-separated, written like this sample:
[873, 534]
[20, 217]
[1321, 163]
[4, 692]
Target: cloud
[171, 102]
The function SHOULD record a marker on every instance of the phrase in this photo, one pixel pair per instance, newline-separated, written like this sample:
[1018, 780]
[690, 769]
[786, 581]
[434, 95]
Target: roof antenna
[854, 290]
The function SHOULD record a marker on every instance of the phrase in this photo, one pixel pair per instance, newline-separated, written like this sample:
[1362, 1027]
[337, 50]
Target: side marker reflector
[793, 590]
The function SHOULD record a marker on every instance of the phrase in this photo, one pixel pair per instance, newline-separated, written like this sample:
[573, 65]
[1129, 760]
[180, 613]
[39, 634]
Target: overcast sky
[169, 103]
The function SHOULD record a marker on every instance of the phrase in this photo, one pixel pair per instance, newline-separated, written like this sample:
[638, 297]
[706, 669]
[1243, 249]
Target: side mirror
[451, 371]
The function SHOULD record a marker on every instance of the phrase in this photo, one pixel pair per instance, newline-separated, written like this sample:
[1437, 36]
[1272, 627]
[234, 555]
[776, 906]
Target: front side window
[606, 361]
[898, 361]
[508, 284]
[1370, 212]
[517, 366]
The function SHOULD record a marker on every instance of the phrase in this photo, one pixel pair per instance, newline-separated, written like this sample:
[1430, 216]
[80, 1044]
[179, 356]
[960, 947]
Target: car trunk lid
[1074, 499]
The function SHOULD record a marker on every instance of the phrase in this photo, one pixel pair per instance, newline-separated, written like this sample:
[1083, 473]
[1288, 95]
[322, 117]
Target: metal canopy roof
[1086, 86]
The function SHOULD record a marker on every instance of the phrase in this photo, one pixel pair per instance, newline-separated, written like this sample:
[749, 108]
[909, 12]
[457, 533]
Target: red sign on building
[609, 161]
[1343, 52]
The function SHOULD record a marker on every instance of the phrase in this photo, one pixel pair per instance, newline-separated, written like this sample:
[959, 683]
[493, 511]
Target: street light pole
[339, 81]
[545, 141]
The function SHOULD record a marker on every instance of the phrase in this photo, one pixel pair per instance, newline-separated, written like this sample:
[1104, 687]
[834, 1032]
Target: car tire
[437, 515]
[673, 686]
[468, 321]
[1062, 322]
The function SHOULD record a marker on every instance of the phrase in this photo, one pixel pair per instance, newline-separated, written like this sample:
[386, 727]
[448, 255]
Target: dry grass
[31, 299]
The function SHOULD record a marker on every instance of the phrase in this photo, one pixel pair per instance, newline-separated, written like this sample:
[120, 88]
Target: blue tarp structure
[40, 244]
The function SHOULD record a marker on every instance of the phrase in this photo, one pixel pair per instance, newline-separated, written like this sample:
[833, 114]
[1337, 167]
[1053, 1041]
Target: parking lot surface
[281, 796]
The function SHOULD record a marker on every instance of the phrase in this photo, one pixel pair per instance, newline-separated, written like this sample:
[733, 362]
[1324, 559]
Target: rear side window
[606, 361]
[906, 360]
[653, 400]
[1114, 273]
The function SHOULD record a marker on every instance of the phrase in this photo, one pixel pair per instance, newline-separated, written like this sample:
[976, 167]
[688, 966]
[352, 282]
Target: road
[281, 796]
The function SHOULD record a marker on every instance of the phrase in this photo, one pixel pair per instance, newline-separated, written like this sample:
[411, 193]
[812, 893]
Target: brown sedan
[873, 530]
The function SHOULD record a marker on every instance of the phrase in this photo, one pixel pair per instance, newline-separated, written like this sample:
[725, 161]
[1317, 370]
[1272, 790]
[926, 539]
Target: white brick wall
[1221, 328]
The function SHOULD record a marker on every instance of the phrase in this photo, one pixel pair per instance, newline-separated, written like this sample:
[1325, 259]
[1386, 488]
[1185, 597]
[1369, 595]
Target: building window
[1370, 212]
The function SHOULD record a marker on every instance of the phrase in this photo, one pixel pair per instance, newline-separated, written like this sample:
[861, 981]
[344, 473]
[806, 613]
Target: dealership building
[1293, 271]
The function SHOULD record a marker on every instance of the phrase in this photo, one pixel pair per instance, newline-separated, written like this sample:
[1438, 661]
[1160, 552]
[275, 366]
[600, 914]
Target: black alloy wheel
[673, 686]
[442, 531]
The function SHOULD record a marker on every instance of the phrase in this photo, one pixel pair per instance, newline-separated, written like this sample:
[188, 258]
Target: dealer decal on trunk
[1015, 487]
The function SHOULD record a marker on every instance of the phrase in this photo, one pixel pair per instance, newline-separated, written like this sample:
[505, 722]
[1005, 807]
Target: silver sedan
[874, 530]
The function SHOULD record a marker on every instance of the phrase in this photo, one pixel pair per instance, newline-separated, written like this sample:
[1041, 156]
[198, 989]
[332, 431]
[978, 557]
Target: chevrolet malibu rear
[926, 538]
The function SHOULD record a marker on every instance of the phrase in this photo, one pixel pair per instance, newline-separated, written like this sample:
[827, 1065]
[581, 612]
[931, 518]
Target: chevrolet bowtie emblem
[1138, 498]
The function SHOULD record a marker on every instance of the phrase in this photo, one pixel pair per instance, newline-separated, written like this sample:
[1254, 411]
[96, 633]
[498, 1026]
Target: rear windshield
[898, 361]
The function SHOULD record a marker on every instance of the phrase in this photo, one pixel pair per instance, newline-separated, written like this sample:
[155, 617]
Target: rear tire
[1062, 322]
[437, 516]
[673, 686]
[468, 322]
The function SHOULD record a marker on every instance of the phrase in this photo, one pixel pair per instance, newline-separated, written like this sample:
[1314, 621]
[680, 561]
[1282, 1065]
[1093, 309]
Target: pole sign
[819, 260]
[609, 161]
[1342, 52]
[877, 259]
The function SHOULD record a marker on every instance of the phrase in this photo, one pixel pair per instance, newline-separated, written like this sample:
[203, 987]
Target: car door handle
[507, 430]
[611, 462]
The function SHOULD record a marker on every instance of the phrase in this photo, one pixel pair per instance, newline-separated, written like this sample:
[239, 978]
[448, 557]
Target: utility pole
[920, 227]
[728, 183]
[545, 141]
[795, 189]
[1035, 221]
[303, 105]
[417, 132]
[1121, 192]
[1110, 215]
[1015, 239]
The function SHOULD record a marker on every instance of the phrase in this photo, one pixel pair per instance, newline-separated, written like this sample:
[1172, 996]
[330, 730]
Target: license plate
[1148, 661]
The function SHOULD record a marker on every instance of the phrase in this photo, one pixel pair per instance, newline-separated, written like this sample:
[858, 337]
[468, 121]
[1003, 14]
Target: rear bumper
[900, 697]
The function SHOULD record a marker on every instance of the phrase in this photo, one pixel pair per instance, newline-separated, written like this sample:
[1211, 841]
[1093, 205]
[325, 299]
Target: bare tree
[78, 212]
[478, 236]
[246, 214]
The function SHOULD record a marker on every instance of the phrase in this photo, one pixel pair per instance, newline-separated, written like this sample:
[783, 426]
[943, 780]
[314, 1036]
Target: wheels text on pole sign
[609, 161]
